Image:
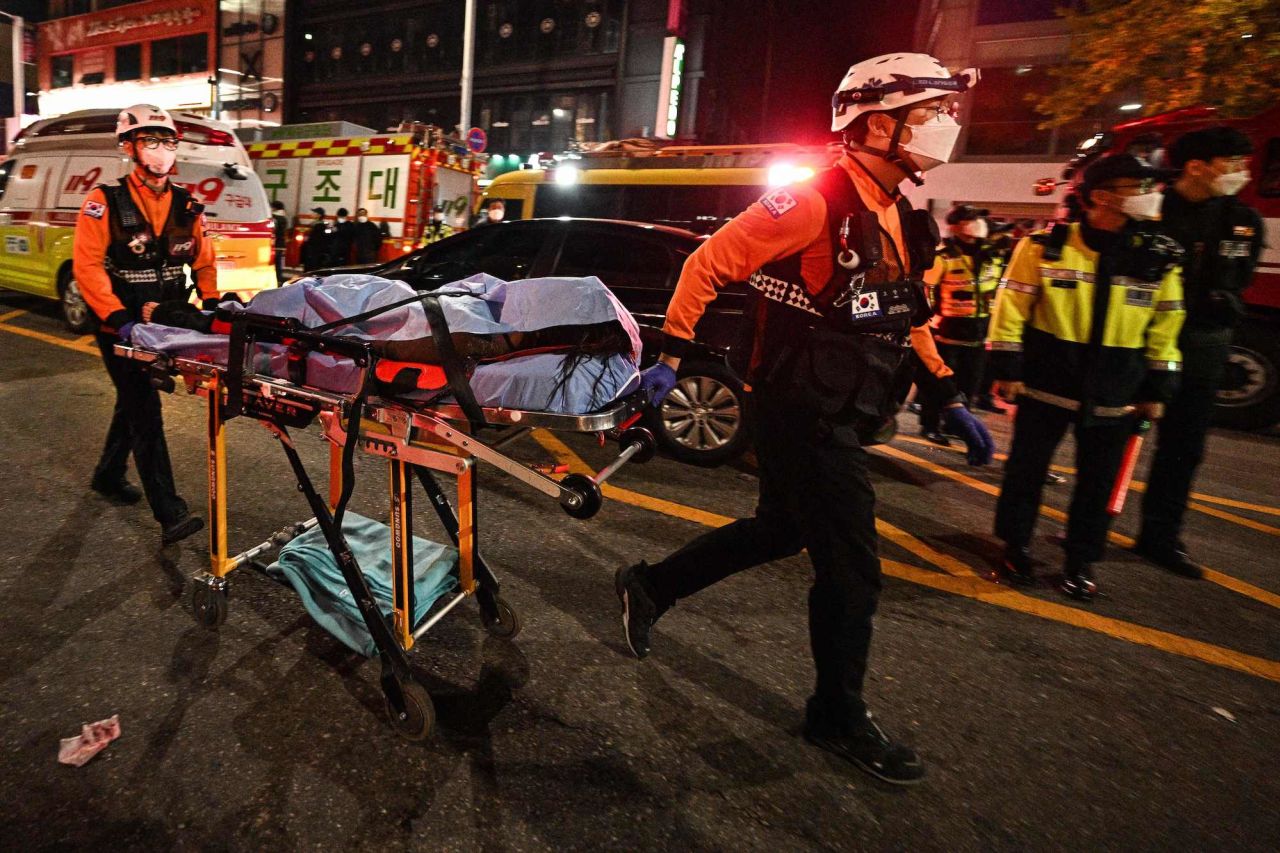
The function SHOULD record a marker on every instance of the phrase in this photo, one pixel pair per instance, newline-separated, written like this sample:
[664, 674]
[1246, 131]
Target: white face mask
[975, 228]
[1145, 206]
[362, 219]
[495, 215]
[932, 142]
[1230, 183]
[159, 162]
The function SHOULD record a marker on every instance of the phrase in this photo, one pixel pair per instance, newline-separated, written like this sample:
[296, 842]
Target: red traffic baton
[1132, 450]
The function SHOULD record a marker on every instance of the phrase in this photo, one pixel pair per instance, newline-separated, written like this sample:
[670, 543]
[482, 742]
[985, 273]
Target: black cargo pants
[137, 428]
[814, 494]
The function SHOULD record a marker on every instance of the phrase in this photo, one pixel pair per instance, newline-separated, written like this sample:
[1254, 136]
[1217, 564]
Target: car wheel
[76, 313]
[701, 421]
[1250, 394]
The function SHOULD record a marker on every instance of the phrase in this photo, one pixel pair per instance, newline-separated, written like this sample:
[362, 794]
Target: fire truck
[1250, 396]
[399, 177]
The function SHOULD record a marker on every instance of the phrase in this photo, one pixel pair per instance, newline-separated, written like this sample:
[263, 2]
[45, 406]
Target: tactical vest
[144, 266]
[841, 353]
[964, 297]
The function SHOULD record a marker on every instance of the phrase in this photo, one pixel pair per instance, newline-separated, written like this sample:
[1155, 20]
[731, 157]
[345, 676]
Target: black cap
[1209, 143]
[318, 211]
[342, 211]
[1115, 167]
[964, 213]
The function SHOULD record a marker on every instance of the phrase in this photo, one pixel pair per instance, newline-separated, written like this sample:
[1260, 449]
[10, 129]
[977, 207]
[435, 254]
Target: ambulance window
[4, 177]
[1269, 183]
[583, 200]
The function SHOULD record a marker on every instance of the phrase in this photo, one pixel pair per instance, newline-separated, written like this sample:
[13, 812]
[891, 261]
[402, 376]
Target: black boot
[865, 745]
[118, 491]
[1173, 557]
[1017, 566]
[1077, 581]
[180, 529]
[639, 611]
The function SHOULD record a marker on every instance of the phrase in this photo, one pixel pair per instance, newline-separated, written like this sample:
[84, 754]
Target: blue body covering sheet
[482, 305]
[309, 566]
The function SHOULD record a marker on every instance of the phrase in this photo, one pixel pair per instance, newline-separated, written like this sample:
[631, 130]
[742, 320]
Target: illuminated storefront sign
[668, 118]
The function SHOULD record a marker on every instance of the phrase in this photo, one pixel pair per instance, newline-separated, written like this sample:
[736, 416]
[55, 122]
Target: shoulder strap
[122, 204]
[1053, 242]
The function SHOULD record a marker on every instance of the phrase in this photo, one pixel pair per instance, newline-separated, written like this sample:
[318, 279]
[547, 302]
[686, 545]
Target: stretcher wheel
[644, 438]
[587, 494]
[209, 605]
[419, 715]
[507, 623]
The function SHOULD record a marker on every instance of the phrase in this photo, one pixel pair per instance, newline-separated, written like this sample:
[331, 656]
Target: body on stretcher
[450, 434]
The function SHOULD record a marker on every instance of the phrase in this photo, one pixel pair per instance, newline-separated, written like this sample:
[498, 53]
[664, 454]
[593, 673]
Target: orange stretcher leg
[402, 551]
[218, 563]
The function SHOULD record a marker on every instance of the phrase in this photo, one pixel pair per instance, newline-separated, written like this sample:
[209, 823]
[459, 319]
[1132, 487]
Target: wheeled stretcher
[446, 435]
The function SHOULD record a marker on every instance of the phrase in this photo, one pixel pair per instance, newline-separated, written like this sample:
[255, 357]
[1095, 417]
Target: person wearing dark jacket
[315, 249]
[1222, 237]
[279, 237]
[367, 238]
[343, 239]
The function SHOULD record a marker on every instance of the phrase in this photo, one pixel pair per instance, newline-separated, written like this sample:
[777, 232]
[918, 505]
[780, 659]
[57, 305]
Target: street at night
[1148, 719]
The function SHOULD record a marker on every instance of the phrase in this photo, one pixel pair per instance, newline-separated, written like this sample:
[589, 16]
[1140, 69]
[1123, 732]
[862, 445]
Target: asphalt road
[1147, 720]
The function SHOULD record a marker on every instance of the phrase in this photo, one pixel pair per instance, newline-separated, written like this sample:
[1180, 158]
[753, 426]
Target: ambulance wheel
[76, 313]
[507, 623]
[584, 499]
[209, 605]
[418, 718]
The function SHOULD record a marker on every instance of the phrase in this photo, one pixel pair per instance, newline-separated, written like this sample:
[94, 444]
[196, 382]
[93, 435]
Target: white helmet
[894, 80]
[142, 116]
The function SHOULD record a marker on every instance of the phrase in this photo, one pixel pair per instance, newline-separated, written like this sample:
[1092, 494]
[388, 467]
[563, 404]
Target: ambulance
[397, 177]
[55, 162]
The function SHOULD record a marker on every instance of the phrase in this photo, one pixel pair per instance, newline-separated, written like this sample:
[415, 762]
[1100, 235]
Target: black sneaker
[638, 610]
[120, 491]
[181, 529]
[936, 437]
[1078, 582]
[1017, 566]
[868, 747]
[1172, 557]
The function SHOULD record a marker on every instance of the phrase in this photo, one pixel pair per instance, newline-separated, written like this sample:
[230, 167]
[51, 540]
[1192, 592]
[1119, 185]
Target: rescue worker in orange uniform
[834, 266]
[132, 242]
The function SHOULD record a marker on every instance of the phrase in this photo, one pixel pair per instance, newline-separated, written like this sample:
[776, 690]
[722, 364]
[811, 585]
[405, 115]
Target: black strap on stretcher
[455, 368]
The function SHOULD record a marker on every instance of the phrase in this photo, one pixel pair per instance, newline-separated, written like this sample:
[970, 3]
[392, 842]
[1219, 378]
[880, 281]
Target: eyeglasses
[151, 143]
[1143, 186]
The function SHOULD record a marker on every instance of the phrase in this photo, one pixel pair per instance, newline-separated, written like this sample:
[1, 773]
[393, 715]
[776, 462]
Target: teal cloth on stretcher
[310, 567]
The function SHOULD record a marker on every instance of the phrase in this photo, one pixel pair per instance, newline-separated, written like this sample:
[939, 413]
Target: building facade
[220, 59]
[548, 74]
[1002, 150]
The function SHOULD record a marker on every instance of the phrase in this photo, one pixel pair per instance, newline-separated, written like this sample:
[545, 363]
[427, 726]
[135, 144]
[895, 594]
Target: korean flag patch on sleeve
[96, 209]
[778, 202]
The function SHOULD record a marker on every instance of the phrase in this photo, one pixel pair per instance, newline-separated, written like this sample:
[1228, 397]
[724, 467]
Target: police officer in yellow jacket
[1085, 333]
[962, 287]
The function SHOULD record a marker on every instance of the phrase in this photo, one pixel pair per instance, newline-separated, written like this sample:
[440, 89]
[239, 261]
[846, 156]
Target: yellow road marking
[1140, 486]
[963, 581]
[990, 593]
[48, 339]
[4, 318]
[1226, 581]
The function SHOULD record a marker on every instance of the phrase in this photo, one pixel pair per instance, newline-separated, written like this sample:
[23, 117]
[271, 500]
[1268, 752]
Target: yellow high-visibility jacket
[1099, 331]
[961, 295]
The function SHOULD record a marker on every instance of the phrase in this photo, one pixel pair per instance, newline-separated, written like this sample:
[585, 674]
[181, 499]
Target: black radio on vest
[145, 266]
[841, 352]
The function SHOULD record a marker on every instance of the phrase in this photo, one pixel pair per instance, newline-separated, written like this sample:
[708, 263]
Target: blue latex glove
[960, 421]
[657, 382]
[124, 331]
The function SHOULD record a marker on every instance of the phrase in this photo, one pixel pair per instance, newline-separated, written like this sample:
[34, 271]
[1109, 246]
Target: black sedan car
[702, 420]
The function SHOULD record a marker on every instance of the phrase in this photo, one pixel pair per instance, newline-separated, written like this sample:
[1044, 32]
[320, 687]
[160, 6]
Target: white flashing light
[782, 174]
[567, 176]
[1247, 36]
[1128, 108]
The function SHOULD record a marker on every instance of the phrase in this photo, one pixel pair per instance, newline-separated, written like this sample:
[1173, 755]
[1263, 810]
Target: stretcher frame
[418, 441]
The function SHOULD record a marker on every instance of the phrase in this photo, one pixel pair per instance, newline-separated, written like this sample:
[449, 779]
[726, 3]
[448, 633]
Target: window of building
[129, 62]
[529, 124]
[182, 55]
[1001, 121]
[1014, 11]
[510, 31]
[62, 70]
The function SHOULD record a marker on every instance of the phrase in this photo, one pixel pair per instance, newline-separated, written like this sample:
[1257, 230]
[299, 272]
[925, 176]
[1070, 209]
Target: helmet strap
[892, 155]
